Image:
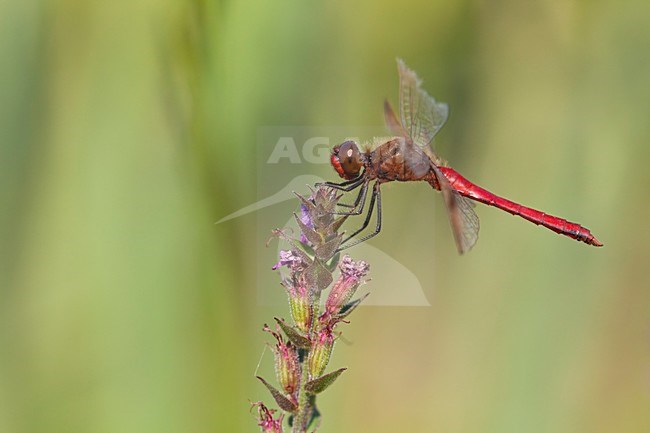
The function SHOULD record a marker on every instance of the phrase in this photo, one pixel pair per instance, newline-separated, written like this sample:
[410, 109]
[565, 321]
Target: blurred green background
[128, 128]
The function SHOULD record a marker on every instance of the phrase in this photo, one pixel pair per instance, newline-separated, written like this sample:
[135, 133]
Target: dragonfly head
[347, 160]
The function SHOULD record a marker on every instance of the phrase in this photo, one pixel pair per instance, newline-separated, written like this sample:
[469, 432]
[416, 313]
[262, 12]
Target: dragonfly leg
[376, 196]
[346, 186]
[359, 203]
[364, 188]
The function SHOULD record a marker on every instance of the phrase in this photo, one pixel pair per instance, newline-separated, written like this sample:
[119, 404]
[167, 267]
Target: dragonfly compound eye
[346, 159]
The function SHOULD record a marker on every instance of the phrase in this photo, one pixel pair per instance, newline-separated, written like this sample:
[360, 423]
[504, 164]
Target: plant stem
[304, 411]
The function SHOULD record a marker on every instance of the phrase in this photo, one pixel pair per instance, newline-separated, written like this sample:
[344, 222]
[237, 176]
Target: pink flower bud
[301, 312]
[287, 366]
[300, 298]
[300, 302]
[321, 350]
[351, 274]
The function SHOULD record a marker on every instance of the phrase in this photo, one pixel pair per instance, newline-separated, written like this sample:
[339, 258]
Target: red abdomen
[558, 225]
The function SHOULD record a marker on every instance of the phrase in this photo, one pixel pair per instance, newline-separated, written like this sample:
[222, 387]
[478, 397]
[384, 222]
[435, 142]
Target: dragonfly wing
[422, 116]
[464, 221]
[392, 122]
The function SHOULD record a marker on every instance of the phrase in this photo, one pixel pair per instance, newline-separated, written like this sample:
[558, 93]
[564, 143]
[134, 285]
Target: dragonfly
[409, 156]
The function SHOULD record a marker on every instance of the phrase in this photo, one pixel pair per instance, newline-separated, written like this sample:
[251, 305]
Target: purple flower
[305, 218]
[290, 259]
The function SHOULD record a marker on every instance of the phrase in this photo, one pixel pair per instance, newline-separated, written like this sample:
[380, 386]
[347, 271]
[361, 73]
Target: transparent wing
[464, 221]
[393, 123]
[422, 116]
[421, 119]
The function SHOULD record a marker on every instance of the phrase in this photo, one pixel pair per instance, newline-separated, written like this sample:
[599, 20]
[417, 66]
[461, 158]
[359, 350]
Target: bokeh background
[128, 128]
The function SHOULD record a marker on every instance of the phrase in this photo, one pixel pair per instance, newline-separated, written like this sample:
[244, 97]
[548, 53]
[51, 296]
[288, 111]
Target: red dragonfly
[410, 157]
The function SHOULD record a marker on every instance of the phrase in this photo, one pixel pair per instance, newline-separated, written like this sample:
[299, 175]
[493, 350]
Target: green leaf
[327, 250]
[294, 335]
[318, 276]
[308, 251]
[333, 262]
[336, 225]
[282, 401]
[320, 384]
[350, 307]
